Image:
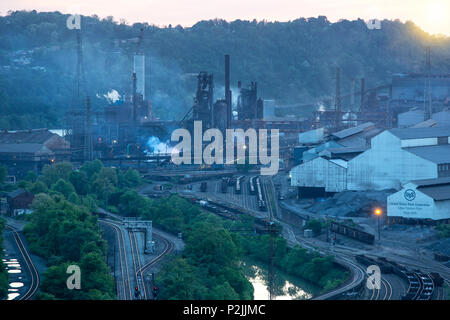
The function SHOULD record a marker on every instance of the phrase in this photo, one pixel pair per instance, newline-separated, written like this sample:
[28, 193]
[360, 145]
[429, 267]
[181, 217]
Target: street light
[378, 212]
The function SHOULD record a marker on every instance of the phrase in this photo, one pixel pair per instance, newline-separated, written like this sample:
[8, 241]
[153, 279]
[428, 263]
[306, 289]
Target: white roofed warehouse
[398, 156]
[422, 201]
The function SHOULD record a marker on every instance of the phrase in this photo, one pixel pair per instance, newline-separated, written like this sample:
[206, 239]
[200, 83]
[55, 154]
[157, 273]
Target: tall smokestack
[337, 103]
[134, 97]
[352, 93]
[227, 89]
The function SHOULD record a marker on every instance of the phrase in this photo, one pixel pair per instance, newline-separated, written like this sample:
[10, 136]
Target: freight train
[251, 184]
[238, 184]
[421, 285]
[261, 202]
[352, 232]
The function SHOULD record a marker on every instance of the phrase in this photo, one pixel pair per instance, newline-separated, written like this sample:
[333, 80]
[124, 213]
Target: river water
[285, 287]
[14, 269]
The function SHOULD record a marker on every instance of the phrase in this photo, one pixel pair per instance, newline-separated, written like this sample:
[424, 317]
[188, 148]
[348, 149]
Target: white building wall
[386, 165]
[421, 207]
[442, 209]
[409, 143]
[319, 173]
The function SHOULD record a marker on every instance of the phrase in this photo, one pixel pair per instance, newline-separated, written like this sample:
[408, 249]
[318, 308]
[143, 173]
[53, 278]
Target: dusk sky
[432, 16]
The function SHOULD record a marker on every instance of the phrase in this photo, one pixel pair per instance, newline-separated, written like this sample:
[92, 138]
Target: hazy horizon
[431, 16]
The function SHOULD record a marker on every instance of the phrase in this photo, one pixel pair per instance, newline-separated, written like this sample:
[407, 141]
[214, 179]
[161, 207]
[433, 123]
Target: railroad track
[139, 269]
[124, 291]
[387, 289]
[32, 271]
[168, 248]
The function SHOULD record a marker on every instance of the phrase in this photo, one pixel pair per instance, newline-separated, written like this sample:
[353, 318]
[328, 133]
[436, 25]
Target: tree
[80, 181]
[108, 174]
[315, 225]
[31, 176]
[133, 204]
[52, 173]
[64, 187]
[3, 274]
[129, 179]
[92, 167]
[38, 187]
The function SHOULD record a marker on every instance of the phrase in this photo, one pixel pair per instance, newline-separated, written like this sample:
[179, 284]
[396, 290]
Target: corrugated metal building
[320, 176]
[410, 118]
[324, 167]
[415, 118]
[421, 200]
[411, 87]
[442, 118]
[398, 156]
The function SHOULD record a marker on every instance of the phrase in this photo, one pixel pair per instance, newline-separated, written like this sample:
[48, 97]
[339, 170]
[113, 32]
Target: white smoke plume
[112, 96]
[157, 146]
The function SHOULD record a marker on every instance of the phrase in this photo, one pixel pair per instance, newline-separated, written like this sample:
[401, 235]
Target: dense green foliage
[63, 230]
[321, 271]
[210, 265]
[3, 272]
[64, 233]
[209, 249]
[315, 225]
[293, 62]
[444, 230]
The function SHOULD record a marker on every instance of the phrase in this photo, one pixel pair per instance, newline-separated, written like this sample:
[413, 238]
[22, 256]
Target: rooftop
[16, 193]
[421, 133]
[438, 154]
[351, 131]
[37, 136]
[24, 148]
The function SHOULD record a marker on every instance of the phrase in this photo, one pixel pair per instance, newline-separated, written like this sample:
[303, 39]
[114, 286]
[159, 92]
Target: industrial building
[19, 202]
[398, 156]
[391, 159]
[417, 116]
[422, 201]
[322, 168]
[412, 88]
[25, 150]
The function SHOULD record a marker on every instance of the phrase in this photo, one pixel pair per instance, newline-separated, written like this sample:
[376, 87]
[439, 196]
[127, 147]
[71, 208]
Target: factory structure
[427, 200]
[379, 138]
[398, 139]
[391, 159]
[29, 150]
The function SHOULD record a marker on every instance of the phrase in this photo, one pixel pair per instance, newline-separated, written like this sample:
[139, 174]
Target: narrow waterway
[14, 270]
[285, 287]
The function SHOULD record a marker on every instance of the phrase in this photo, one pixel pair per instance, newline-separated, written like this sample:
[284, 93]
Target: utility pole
[378, 214]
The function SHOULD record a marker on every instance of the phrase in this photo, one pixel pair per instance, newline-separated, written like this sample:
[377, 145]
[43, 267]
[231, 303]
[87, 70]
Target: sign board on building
[410, 203]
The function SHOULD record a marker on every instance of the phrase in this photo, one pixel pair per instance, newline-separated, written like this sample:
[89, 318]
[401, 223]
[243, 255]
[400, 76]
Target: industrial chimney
[227, 89]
